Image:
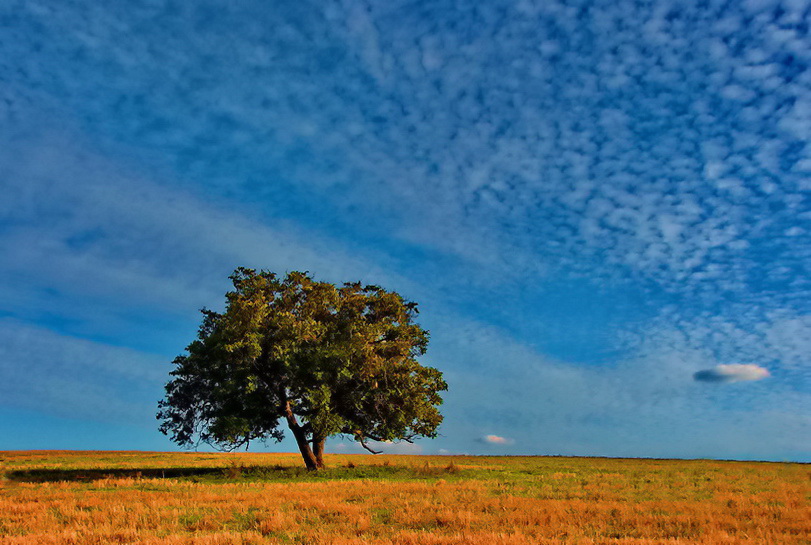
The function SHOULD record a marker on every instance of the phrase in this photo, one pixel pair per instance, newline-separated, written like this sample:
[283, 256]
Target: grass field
[142, 497]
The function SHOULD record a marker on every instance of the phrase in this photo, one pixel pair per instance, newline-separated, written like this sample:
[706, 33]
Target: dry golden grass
[127, 497]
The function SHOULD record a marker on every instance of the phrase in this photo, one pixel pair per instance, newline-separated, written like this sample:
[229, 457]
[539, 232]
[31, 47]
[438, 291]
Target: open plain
[58, 497]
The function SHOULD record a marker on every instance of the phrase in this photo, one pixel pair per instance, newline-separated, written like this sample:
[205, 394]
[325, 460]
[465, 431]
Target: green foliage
[329, 359]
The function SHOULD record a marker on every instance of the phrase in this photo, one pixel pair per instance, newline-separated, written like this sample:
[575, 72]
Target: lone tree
[326, 359]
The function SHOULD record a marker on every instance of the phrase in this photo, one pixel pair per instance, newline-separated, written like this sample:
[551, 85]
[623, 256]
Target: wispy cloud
[78, 226]
[74, 378]
[732, 372]
[645, 404]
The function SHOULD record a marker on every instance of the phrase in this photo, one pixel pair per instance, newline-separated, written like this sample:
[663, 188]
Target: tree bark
[318, 450]
[301, 438]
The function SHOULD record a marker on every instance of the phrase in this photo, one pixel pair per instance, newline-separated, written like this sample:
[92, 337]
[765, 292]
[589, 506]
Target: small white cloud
[497, 440]
[732, 372]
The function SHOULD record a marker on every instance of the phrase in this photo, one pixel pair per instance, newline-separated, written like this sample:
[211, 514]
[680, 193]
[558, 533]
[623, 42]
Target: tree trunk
[301, 438]
[318, 451]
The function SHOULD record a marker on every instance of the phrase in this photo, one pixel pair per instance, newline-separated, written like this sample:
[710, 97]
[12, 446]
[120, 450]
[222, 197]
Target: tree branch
[407, 439]
[367, 447]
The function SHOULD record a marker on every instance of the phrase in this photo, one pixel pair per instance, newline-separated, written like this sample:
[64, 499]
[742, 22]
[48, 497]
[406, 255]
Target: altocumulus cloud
[732, 372]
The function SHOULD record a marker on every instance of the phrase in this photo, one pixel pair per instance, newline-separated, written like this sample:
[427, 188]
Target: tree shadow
[95, 474]
[276, 473]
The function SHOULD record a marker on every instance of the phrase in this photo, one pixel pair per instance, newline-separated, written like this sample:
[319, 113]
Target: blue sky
[603, 208]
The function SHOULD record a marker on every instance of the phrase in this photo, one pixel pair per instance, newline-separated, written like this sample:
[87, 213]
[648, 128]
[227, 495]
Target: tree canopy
[325, 359]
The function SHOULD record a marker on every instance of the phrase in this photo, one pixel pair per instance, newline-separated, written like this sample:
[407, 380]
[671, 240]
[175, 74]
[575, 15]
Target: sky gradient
[602, 208]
